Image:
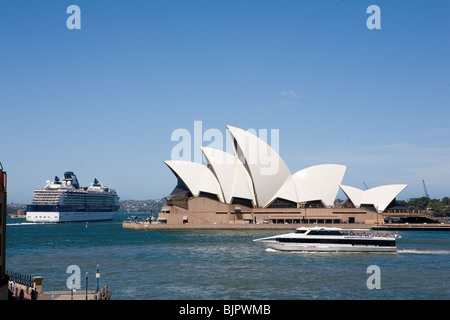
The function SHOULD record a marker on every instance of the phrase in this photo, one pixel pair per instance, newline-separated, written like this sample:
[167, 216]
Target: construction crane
[425, 189]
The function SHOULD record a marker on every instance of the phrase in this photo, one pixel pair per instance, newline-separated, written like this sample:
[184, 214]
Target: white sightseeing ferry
[63, 200]
[319, 239]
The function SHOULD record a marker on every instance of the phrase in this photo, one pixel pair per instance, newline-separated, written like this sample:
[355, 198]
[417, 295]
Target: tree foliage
[436, 207]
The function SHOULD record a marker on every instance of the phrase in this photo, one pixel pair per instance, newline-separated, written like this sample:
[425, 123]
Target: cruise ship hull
[64, 200]
[77, 216]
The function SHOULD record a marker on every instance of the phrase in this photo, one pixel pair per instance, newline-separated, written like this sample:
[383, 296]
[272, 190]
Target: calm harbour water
[207, 265]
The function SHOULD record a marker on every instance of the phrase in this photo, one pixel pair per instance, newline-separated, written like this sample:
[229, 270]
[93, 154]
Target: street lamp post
[87, 275]
[97, 275]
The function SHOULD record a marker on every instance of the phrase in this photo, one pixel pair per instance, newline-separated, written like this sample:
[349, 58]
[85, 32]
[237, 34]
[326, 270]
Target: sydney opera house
[254, 185]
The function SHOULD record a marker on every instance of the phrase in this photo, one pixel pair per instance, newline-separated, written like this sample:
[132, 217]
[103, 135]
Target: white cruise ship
[63, 200]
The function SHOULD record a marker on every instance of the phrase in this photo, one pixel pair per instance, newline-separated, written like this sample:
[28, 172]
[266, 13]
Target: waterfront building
[254, 185]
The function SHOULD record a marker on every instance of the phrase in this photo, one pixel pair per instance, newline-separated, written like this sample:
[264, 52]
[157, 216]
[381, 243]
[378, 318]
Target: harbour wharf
[68, 295]
[103, 294]
[219, 226]
[414, 227]
[272, 226]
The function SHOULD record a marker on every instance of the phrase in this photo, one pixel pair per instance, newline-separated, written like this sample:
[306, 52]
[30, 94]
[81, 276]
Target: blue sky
[104, 100]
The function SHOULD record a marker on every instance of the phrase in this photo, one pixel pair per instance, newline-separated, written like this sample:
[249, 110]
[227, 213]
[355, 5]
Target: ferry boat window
[324, 233]
[300, 231]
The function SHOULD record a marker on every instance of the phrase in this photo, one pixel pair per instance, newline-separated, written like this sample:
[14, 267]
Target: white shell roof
[380, 197]
[231, 174]
[197, 177]
[267, 169]
[323, 180]
[319, 182]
